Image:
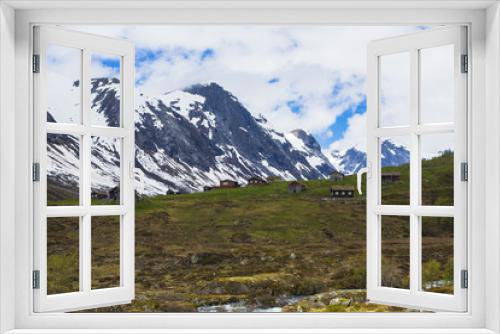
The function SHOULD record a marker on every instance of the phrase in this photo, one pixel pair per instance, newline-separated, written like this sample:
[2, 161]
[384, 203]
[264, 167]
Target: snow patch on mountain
[182, 102]
[297, 143]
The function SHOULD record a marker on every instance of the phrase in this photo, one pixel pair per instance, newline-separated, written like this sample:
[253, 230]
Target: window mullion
[85, 237]
[414, 172]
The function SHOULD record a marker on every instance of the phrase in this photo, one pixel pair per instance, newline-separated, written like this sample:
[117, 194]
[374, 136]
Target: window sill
[256, 331]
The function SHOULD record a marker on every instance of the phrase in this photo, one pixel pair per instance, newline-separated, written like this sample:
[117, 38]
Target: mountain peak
[307, 139]
[209, 88]
[261, 119]
[351, 160]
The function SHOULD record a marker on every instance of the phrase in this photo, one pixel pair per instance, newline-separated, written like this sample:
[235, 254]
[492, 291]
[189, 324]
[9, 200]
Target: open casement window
[78, 264]
[417, 223]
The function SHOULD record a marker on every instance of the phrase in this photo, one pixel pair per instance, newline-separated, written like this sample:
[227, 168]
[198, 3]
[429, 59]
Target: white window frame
[411, 44]
[483, 17]
[86, 297]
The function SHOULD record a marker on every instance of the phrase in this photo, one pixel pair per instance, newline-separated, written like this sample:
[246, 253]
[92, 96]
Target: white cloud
[395, 90]
[355, 136]
[63, 69]
[437, 87]
[434, 144]
[308, 60]
[100, 70]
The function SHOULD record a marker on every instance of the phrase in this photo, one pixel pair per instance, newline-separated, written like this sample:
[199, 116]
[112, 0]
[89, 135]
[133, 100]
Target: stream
[244, 307]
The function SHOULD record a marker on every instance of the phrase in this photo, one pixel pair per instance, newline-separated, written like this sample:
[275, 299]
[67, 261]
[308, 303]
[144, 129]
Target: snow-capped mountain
[349, 161]
[191, 138]
[352, 160]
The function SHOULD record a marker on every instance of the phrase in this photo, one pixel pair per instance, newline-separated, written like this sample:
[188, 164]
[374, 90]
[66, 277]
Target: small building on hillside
[98, 195]
[342, 191]
[296, 187]
[114, 193]
[208, 188]
[336, 176]
[255, 180]
[391, 176]
[274, 178]
[229, 184]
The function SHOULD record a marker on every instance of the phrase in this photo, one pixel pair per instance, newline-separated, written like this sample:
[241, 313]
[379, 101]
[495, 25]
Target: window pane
[105, 90]
[63, 84]
[437, 84]
[63, 170]
[395, 266]
[63, 242]
[395, 171]
[437, 254]
[394, 100]
[437, 169]
[106, 170]
[105, 252]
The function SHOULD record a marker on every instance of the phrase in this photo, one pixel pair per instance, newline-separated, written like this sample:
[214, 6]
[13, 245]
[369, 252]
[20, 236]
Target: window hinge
[464, 279]
[465, 63]
[464, 170]
[36, 172]
[36, 279]
[36, 63]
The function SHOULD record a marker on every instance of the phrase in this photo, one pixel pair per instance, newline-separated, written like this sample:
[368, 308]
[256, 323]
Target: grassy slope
[251, 244]
[256, 244]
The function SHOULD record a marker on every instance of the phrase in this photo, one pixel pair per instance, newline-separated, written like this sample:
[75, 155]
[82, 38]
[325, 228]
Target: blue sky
[309, 77]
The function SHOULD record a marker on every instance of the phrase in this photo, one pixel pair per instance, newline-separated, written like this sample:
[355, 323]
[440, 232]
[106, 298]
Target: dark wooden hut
[336, 176]
[229, 184]
[391, 176]
[274, 178]
[114, 193]
[255, 180]
[296, 187]
[342, 191]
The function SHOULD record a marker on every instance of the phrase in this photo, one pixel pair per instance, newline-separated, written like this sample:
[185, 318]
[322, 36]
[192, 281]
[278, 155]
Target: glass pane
[395, 171]
[437, 169]
[437, 254]
[63, 84]
[63, 243]
[105, 252]
[437, 84]
[394, 100]
[63, 170]
[395, 252]
[105, 90]
[106, 170]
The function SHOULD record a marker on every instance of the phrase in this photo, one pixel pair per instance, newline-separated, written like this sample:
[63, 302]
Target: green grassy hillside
[260, 245]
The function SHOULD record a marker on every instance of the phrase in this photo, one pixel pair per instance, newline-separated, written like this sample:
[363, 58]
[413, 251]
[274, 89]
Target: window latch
[359, 177]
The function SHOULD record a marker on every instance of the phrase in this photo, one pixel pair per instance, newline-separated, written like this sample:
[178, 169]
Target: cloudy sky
[309, 77]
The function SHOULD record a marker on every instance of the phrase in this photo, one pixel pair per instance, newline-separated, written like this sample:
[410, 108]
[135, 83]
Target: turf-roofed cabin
[336, 176]
[229, 184]
[391, 176]
[296, 187]
[255, 180]
[339, 191]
